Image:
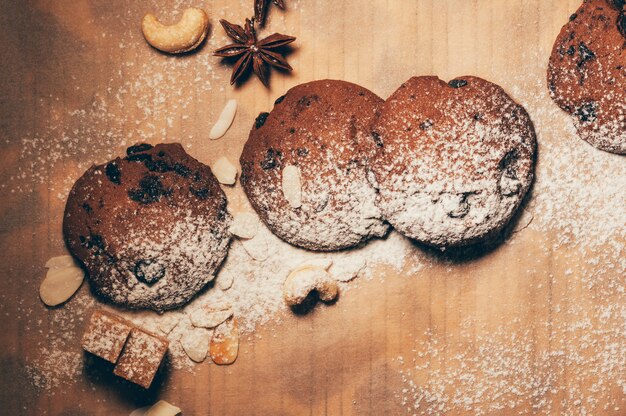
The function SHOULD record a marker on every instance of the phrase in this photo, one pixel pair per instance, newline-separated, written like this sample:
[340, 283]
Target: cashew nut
[183, 36]
[303, 280]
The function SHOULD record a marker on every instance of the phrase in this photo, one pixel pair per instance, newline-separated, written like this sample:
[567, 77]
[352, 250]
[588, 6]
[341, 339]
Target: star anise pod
[258, 54]
[260, 9]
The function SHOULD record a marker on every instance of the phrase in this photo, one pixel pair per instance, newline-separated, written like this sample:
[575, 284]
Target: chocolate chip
[260, 120]
[181, 170]
[272, 159]
[507, 163]
[113, 173]
[619, 4]
[200, 193]
[148, 271]
[573, 17]
[621, 24]
[139, 157]
[279, 100]
[426, 125]
[150, 190]
[157, 165]
[87, 208]
[587, 113]
[292, 130]
[571, 50]
[138, 148]
[585, 53]
[377, 139]
[457, 83]
[161, 153]
[93, 241]
[478, 116]
[302, 152]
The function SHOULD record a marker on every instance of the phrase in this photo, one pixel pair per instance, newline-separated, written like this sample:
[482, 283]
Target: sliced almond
[224, 122]
[168, 322]
[141, 411]
[225, 280]
[209, 316]
[292, 186]
[60, 284]
[224, 171]
[245, 225]
[196, 344]
[224, 345]
[163, 408]
[256, 247]
[60, 262]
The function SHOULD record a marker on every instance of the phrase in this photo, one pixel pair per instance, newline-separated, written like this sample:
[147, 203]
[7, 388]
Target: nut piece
[292, 187]
[256, 247]
[225, 280]
[226, 119]
[207, 316]
[224, 345]
[60, 284]
[224, 171]
[245, 225]
[183, 36]
[162, 408]
[196, 344]
[303, 280]
[60, 262]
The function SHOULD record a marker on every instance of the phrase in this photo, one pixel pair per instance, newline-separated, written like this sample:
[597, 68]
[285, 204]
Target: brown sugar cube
[106, 335]
[141, 357]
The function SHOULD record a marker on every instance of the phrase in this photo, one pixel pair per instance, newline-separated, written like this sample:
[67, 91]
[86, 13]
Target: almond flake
[245, 225]
[210, 316]
[163, 408]
[60, 262]
[60, 284]
[225, 280]
[224, 122]
[256, 247]
[196, 344]
[224, 171]
[292, 187]
[224, 345]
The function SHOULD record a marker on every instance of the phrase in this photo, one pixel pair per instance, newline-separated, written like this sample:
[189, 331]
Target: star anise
[260, 9]
[258, 54]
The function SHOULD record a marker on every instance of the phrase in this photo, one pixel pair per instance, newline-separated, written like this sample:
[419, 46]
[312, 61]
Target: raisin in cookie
[587, 73]
[151, 228]
[454, 160]
[303, 166]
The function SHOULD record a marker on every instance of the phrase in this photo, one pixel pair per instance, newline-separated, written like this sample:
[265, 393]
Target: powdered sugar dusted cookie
[151, 228]
[454, 159]
[303, 166]
[587, 73]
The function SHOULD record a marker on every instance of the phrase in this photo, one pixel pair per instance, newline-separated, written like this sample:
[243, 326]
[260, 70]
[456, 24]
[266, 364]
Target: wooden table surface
[519, 329]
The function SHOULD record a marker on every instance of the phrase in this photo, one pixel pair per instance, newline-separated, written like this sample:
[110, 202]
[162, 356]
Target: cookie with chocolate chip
[454, 160]
[304, 166]
[151, 228]
[587, 73]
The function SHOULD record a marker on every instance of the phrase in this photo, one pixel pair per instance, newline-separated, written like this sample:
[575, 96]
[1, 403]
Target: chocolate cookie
[303, 166]
[587, 73]
[151, 229]
[454, 160]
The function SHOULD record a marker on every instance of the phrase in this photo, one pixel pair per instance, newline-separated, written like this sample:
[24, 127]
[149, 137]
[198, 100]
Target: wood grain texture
[80, 68]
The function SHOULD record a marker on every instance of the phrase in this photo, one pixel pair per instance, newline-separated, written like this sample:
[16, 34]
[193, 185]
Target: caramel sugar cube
[141, 357]
[106, 335]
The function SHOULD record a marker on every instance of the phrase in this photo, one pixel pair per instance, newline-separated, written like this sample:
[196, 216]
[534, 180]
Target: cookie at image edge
[150, 228]
[454, 160]
[320, 131]
[587, 73]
